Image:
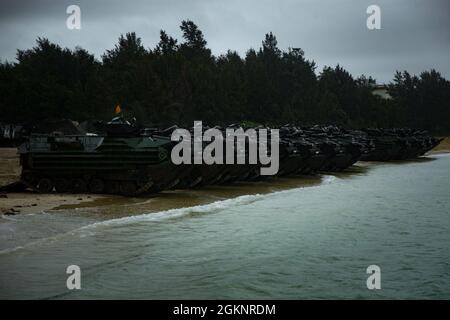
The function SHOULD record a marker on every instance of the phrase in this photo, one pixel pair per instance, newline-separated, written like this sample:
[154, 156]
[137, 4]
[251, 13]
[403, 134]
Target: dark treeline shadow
[178, 82]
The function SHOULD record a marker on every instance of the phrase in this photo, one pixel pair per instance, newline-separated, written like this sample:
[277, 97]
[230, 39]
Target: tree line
[179, 82]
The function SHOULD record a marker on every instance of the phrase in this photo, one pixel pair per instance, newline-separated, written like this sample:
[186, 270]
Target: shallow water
[307, 242]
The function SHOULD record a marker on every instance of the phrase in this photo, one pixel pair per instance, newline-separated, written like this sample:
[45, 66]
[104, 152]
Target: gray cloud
[415, 34]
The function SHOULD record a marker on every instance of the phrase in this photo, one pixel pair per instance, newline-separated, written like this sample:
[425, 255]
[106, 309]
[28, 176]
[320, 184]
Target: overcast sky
[414, 35]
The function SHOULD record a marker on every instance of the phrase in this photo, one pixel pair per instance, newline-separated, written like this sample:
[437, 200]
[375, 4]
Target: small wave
[5, 217]
[10, 250]
[207, 208]
[326, 179]
[175, 213]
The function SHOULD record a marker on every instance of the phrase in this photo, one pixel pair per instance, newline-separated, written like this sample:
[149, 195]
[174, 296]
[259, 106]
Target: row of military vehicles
[120, 157]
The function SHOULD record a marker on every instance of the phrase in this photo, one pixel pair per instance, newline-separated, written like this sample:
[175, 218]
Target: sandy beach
[443, 147]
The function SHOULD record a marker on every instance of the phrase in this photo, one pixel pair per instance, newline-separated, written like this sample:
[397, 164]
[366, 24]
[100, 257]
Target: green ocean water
[312, 242]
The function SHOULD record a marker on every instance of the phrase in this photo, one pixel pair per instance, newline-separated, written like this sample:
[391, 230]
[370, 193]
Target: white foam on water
[10, 250]
[175, 213]
[207, 208]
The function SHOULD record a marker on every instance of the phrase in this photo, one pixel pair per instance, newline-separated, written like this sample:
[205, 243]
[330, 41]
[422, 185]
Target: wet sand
[107, 206]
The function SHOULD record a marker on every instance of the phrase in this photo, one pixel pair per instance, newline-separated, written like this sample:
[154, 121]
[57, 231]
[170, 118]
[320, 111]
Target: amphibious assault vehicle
[120, 157]
[121, 160]
[398, 144]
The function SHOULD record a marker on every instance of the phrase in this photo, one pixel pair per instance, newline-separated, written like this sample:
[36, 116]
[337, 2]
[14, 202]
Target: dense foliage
[181, 82]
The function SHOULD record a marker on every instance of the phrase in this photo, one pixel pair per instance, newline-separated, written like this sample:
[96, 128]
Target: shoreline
[113, 206]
